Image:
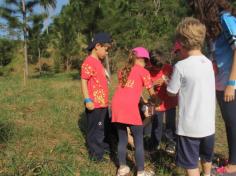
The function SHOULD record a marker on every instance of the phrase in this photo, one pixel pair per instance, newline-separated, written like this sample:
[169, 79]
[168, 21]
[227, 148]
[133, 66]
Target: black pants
[157, 127]
[137, 132]
[170, 129]
[98, 123]
[228, 111]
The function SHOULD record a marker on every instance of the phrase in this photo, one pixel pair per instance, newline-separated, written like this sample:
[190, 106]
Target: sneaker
[146, 173]
[123, 171]
[170, 149]
[221, 171]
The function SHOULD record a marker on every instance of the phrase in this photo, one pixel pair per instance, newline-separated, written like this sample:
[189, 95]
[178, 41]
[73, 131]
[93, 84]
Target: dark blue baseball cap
[101, 37]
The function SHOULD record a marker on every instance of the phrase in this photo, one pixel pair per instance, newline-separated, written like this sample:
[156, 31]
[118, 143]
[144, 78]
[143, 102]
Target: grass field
[42, 129]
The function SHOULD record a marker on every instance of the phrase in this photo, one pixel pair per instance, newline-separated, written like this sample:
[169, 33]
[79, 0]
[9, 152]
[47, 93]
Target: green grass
[39, 133]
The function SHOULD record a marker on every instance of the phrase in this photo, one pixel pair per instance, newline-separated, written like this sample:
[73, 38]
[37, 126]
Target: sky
[52, 12]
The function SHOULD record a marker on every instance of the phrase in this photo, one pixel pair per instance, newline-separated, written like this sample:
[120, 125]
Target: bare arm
[152, 93]
[229, 90]
[84, 87]
[233, 70]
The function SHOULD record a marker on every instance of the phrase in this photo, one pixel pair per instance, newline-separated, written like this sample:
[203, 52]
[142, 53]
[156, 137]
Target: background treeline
[61, 46]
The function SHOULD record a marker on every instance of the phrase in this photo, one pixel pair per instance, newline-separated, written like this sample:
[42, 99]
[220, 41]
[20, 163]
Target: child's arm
[167, 71]
[143, 100]
[159, 82]
[230, 90]
[152, 93]
[154, 98]
[88, 102]
[175, 82]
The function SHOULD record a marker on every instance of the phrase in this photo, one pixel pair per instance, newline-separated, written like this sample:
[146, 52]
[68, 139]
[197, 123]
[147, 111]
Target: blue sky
[52, 12]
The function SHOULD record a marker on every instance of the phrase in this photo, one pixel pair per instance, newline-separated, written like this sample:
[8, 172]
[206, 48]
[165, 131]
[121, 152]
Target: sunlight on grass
[42, 130]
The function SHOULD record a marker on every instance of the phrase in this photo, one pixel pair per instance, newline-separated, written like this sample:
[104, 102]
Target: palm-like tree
[19, 15]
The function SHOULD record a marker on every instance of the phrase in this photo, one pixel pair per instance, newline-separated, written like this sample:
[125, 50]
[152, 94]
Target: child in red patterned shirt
[95, 92]
[160, 73]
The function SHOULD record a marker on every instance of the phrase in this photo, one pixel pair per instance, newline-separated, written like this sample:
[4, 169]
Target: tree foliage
[6, 51]
[19, 15]
[150, 23]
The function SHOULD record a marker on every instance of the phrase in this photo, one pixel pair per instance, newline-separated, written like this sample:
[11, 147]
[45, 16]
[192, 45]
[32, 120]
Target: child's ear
[98, 45]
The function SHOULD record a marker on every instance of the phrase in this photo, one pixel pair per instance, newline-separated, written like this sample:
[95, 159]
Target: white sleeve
[175, 81]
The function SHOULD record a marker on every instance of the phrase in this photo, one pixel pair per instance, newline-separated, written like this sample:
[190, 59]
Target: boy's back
[194, 78]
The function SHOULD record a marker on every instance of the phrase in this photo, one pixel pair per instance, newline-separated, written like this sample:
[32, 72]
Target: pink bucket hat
[141, 52]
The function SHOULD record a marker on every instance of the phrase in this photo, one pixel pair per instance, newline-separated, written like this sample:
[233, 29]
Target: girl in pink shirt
[125, 112]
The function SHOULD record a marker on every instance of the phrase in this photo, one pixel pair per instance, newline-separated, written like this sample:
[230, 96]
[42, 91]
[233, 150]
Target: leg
[130, 138]
[157, 125]
[206, 153]
[122, 144]
[147, 125]
[170, 125]
[95, 133]
[187, 155]
[228, 112]
[193, 172]
[206, 166]
[109, 132]
[139, 148]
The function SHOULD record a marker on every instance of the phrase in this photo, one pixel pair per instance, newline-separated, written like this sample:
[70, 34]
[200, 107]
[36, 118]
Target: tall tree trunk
[39, 61]
[25, 39]
[68, 64]
[108, 71]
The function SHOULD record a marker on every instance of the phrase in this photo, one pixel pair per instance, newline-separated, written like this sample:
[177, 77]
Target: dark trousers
[137, 132]
[228, 111]
[170, 129]
[97, 126]
[157, 127]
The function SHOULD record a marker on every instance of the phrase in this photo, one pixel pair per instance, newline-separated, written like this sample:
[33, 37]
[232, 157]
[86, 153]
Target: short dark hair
[153, 57]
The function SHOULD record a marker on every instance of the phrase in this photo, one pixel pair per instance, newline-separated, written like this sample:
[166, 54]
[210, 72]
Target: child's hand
[159, 82]
[90, 106]
[157, 108]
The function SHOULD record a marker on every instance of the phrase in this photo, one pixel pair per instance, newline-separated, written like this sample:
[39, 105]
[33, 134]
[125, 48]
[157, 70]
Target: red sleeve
[86, 70]
[147, 81]
[167, 70]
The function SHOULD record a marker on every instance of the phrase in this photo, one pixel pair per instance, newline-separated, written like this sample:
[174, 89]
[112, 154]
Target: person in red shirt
[125, 111]
[95, 91]
[160, 74]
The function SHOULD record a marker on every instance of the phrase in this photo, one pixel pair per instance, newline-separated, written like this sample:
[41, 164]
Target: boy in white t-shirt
[193, 80]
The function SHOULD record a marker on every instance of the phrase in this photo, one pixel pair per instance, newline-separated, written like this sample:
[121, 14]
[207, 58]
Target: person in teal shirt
[220, 19]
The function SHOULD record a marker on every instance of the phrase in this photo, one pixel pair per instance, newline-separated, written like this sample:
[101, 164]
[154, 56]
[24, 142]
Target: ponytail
[127, 68]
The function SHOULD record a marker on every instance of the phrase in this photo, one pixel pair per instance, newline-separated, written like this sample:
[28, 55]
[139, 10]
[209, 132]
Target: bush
[6, 51]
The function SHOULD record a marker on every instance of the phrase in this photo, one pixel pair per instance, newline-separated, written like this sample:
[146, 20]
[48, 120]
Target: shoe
[170, 149]
[146, 173]
[221, 171]
[123, 171]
